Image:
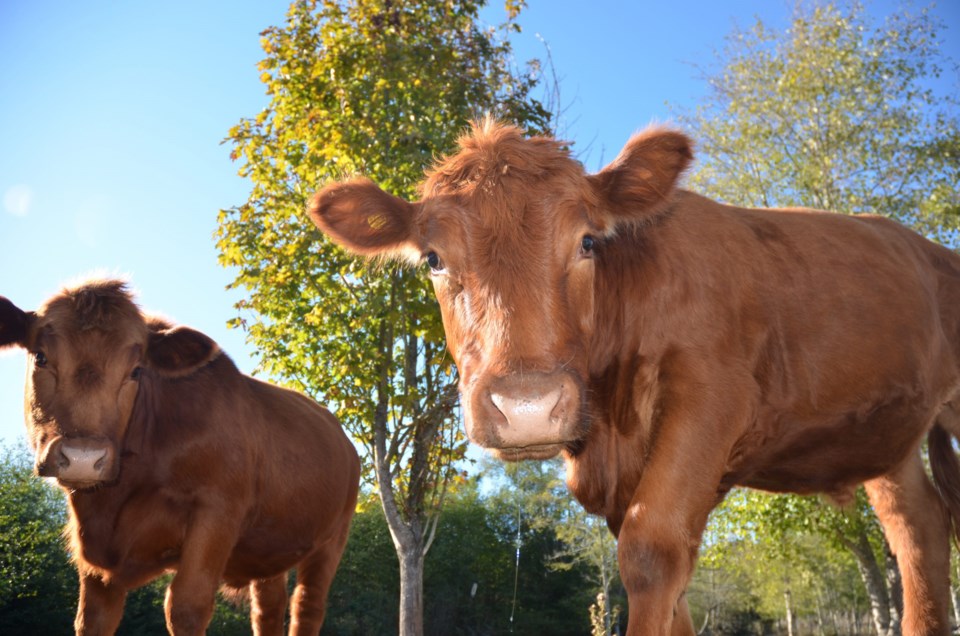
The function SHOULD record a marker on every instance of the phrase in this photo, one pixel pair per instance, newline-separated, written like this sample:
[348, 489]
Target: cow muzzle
[525, 415]
[79, 462]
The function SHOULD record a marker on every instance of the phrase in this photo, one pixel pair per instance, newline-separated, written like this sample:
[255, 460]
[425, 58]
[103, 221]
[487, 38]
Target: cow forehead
[90, 354]
[515, 245]
[499, 177]
[491, 154]
[90, 322]
[504, 225]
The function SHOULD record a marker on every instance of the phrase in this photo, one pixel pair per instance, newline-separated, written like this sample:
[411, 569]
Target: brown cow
[671, 347]
[174, 460]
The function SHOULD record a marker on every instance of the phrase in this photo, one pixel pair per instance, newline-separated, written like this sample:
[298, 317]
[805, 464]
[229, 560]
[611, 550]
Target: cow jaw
[524, 415]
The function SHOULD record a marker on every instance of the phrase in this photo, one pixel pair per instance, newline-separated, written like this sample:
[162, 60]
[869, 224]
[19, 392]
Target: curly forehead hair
[95, 304]
[491, 153]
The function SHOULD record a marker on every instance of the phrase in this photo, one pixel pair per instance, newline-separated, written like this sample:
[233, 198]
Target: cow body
[670, 347]
[830, 339]
[217, 476]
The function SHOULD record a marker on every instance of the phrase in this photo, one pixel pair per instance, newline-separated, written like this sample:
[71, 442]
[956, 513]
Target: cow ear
[179, 351]
[363, 218]
[635, 184]
[13, 324]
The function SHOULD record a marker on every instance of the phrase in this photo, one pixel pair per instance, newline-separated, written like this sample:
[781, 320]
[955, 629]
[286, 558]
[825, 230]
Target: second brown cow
[174, 460]
[671, 347]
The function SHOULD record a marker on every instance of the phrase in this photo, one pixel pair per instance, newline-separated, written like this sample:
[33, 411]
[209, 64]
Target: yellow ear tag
[377, 221]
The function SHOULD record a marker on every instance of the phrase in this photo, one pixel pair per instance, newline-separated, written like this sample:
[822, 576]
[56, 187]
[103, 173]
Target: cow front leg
[667, 514]
[655, 566]
[192, 594]
[268, 605]
[100, 608]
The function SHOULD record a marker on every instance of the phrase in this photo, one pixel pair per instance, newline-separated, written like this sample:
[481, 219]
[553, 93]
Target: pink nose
[78, 460]
[530, 411]
[525, 410]
[81, 464]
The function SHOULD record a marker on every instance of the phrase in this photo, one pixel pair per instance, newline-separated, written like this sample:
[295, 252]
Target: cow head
[90, 348]
[513, 232]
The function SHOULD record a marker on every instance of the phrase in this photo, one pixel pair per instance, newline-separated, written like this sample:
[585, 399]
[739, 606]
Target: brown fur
[219, 477]
[672, 347]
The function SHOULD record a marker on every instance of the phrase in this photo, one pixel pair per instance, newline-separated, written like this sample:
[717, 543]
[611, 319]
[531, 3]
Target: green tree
[837, 112]
[38, 585]
[469, 576]
[374, 87]
[534, 495]
[797, 553]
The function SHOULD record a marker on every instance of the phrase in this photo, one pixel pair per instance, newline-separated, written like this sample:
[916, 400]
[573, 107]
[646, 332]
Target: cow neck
[137, 440]
[94, 512]
[606, 468]
[622, 280]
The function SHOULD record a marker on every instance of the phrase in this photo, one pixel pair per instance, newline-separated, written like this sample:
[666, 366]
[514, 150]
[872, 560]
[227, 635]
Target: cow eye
[433, 261]
[135, 374]
[587, 244]
[40, 359]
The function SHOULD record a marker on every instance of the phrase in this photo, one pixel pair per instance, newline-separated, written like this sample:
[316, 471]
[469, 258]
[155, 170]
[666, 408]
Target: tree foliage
[375, 88]
[469, 576]
[774, 544]
[837, 112]
[38, 586]
[535, 496]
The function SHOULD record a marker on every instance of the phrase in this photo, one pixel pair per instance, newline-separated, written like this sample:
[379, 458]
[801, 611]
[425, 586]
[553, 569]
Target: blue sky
[112, 114]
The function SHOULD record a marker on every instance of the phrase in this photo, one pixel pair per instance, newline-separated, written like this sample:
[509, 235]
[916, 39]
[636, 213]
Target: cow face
[89, 350]
[513, 231]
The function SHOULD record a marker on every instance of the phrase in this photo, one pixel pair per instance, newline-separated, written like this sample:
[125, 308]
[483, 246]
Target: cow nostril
[61, 459]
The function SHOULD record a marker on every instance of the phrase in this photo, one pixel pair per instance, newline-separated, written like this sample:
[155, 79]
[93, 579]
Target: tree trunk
[820, 621]
[836, 624]
[895, 585]
[953, 597]
[873, 581]
[706, 621]
[713, 603]
[607, 609]
[411, 592]
[787, 600]
[953, 603]
[407, 534]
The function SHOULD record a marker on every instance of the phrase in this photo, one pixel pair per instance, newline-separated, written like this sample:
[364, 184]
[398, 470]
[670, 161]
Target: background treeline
[472, 584]
[757, 580]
